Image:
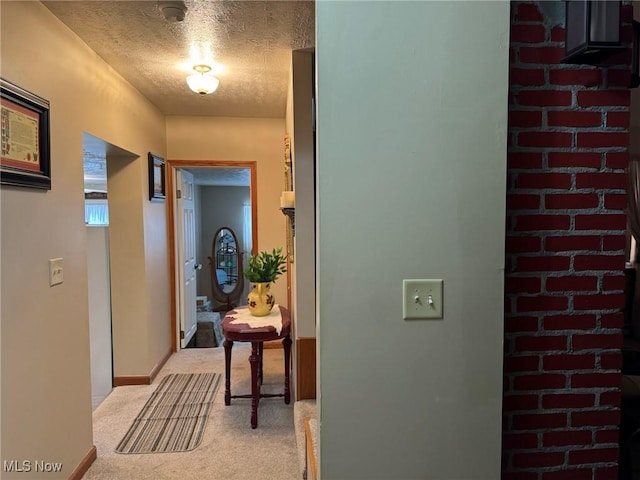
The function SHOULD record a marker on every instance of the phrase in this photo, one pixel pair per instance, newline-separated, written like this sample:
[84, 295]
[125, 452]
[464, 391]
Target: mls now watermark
[18, 466]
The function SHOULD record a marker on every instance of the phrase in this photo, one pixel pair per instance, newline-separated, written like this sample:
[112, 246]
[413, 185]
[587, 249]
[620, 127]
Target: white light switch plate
[55, 272]
[422, 299]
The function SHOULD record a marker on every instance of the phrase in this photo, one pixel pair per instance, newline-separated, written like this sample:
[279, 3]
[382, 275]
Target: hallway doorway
[216, 184]
[100, 160]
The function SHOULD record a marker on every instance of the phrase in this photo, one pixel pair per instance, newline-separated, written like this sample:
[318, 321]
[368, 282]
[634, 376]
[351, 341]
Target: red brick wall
[568, 139]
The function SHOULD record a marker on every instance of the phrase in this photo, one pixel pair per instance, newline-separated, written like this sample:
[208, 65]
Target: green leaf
[265, 266]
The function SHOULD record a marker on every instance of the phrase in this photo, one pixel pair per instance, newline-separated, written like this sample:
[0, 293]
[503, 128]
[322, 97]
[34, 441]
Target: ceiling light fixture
[202, 82]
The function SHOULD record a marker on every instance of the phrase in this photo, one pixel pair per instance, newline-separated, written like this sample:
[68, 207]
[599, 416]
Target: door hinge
[178, 193]
[181, 334]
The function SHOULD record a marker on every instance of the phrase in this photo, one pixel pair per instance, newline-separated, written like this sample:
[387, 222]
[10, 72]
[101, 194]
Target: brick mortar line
[563, 87]
[575, 129]
[542, 234]
[544, 211]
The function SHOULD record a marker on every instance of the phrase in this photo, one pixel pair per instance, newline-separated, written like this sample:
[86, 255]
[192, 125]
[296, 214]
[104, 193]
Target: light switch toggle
[422, 299]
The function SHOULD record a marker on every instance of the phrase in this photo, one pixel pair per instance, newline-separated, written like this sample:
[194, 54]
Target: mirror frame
[229, 300]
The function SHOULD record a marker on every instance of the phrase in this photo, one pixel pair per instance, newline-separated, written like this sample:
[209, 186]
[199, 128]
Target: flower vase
[260, 299]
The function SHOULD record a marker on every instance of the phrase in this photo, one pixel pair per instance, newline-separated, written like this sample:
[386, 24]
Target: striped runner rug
[174, 417]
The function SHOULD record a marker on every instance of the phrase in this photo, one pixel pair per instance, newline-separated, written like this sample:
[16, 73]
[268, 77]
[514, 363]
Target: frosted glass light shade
[202, 83]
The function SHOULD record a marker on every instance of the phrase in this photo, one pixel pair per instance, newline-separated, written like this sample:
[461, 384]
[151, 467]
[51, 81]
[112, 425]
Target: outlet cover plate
[422, 299]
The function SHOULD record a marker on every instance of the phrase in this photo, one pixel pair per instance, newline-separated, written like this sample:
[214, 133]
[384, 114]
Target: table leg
[287, 358]
[260, 377]
[228, 345]
[254, 360]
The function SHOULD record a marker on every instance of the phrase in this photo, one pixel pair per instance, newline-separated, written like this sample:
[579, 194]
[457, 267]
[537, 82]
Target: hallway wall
[299, 120]
[241, 140]
[412, 124]
[45, 361]
[99, 286]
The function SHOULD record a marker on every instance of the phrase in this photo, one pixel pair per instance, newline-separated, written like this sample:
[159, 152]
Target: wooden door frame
[171, 227]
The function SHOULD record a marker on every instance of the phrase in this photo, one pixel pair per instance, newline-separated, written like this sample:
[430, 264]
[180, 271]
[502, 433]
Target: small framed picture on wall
[157, 183]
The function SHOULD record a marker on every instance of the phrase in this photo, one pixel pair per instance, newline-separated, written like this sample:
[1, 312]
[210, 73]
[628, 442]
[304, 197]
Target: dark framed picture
[25, 159]
[156, 178]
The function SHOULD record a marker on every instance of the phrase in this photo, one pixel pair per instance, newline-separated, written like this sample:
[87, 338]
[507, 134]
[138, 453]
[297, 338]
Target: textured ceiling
[95, 161]
[248, 43]
[95, 174]
[218, 176]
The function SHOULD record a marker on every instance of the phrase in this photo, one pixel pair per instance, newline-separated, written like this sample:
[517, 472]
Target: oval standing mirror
[227, 278]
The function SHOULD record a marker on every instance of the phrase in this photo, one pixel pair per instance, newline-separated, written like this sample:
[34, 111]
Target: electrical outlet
[422, 299]
[55, 272]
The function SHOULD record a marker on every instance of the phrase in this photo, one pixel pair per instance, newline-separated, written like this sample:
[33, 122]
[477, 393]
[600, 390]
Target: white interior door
[186, 257]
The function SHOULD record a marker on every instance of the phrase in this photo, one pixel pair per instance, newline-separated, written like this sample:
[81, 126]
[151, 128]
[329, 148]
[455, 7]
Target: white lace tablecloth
[274, 319]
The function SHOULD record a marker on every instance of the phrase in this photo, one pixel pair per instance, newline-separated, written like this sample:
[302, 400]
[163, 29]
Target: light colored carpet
[230, 448]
